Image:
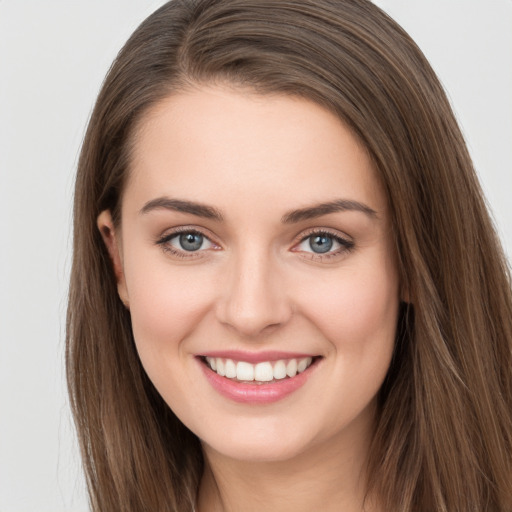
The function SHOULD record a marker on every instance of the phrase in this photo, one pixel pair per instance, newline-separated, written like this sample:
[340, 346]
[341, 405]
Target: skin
[258, 285]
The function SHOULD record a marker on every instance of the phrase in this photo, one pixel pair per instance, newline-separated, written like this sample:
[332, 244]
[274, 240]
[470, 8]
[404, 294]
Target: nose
[254, 299]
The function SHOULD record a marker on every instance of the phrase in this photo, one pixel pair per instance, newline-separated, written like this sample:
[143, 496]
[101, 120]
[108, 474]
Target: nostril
[250, 319]
[253, 301]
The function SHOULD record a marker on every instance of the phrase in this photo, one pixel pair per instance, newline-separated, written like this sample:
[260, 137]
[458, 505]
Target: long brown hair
[443, 436]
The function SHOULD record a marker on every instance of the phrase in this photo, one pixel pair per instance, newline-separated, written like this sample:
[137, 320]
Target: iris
[320, 243]
[191, 241]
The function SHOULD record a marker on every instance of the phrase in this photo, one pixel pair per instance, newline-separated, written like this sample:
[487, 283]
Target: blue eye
[185, 242]
[322, 243]
[190, 241]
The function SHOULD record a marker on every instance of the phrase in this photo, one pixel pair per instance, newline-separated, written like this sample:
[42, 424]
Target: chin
[258, 452]
[261, 443]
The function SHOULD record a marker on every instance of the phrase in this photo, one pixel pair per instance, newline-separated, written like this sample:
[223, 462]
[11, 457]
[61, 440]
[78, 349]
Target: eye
[319, 243]
[186, 242]
[323, 244]
[190, 242]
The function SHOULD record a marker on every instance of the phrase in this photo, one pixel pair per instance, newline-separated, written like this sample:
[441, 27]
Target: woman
[286, 290]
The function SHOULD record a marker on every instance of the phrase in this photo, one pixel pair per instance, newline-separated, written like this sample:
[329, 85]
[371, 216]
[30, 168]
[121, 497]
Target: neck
[329, 476]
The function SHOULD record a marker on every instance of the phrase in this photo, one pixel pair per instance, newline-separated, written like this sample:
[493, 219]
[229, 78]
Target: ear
[111, 239]
[405, 296]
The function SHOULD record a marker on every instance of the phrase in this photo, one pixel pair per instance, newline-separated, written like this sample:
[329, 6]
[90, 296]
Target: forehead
[215, 144]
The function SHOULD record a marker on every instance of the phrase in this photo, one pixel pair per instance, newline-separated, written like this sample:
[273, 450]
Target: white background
[53, 57]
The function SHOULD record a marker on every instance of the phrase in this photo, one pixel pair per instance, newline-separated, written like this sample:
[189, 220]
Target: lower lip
[256, 393]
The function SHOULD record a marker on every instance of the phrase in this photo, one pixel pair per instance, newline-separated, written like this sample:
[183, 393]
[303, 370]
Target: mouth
[260, 373]
[264, 380]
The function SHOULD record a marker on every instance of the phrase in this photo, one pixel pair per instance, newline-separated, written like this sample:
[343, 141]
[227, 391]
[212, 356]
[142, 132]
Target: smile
[265, 371]
[267, 378]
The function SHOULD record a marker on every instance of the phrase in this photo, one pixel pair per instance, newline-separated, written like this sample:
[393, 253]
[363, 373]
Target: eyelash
[166, 247]
[345, 245]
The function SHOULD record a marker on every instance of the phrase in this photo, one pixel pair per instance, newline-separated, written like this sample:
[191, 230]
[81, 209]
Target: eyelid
[346, 243]
[164, 239]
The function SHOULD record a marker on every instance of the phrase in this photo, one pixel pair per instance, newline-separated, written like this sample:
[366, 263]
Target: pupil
[320, 243]
[191, 241]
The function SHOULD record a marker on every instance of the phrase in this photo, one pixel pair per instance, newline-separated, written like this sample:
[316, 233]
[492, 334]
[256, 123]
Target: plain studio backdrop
[53, 57]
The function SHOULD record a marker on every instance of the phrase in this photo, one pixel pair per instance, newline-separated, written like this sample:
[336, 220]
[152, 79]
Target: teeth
[303, 364]
[291, 368]
[244, 371]
[261, 372]
[230, 369]
[220, 367]
[280, 370]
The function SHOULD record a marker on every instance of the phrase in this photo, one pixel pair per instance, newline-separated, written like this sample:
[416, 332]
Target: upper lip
[255, 357]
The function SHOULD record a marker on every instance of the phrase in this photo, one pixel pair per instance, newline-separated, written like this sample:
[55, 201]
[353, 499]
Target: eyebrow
[179, 205]
[339, 205]
[292, 217]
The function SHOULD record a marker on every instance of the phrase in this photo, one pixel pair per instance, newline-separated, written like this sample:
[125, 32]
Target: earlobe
[110, 238]
[405, 295]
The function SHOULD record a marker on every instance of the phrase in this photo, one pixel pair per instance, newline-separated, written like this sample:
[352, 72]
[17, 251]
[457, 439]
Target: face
[255, 257]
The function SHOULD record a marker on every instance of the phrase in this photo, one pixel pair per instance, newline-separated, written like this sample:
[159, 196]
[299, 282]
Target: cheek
[166, 306]
[356, 308]
[166, 303]
[356, 313]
